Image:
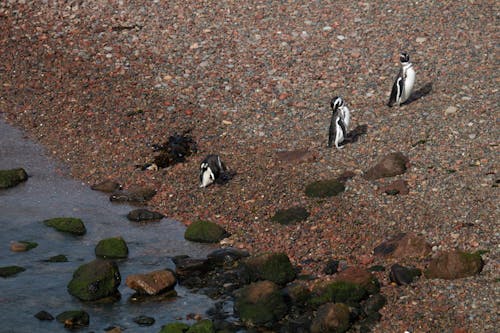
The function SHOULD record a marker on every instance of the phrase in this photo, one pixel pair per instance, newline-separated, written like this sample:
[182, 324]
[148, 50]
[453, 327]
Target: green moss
[202, 326]
[174, 328]
[95, 280]
[58, 258]
[275, 267]
[10, 178]
[112, 248]
[324, 188]
[290, 215]
[74, 319]
[205, 232]
[70, 225]
[7, 271]
[339, 292]
[29, 245]
[264, 310]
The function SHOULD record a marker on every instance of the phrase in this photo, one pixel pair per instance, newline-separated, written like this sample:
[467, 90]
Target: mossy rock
[70, 225]
[112, 248]
[325, 188]
[29, 245]
[174, 328]
[290, 215]
[454, 265]
[339, 292]
[7, 271]
[202, 326]
[12, 177]
[95, 280]
[205, 232]
[331, 318]
[73, 319]
[57, 258]
[275, 267]
[260, 304]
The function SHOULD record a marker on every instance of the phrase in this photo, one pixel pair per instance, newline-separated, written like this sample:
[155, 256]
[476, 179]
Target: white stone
[420, 40]
[450, 110]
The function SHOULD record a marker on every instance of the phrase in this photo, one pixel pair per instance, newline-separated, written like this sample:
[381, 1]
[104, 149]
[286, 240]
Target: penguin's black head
[336, 102]
[404, 57]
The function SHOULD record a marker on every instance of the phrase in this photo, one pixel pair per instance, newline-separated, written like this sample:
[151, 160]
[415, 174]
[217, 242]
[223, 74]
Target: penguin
[341, 117]
[403, 85]
[211, 168]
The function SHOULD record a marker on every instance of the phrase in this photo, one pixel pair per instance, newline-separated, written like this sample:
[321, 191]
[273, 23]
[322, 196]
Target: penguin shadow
[425, 90]
[225, 177]
[354, 135]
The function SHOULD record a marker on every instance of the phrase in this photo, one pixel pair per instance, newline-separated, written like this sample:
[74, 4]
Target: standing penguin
[211, 169]
[403, 86]
[339, 124]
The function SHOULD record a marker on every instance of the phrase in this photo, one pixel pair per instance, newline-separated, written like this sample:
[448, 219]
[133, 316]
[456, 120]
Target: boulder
[205, 232]
[57, 258]
[324, 188]
[70, 225]
[390, 165]
[275, 267]
[290, 215]
[112, 248]
[403, 275]
[185, 265]
[331, 318]
[202, 326]
[8, 271]
[338, 292]
[402, 246]
[144, 215]
[95, 280]
[135, 195]
[44, 315]
[260, 304]
[174, 328]
[226, 257]
[107, 186]
[12, 177]
[454, 265]
[373, 304]
[22, 246]
[152, 283]
[73, 319]
[360, 276]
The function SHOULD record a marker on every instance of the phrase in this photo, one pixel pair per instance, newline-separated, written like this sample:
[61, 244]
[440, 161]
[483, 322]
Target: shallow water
[48, 193]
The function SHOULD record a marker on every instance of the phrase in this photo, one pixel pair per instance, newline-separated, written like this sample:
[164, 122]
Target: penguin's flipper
[331, 131]
[394, 93]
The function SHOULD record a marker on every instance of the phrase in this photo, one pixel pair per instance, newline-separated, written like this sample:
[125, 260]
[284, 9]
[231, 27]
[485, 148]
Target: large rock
[73, 319]
[22, 246]
[403, 275]
[70, 225]
[7, 271]
[402, 246]
[152, 283]
[260, 304]
[144, 215]
[176, 327]
[202, 326]
[12, 177]
[454, 265]
[107, 186]
[325, 188]
[112, 248]
[275, 267]
[390, 165]
[205, 232]
[135, 195]
[290, 215]
[226, 257]
[95, 280]
[331, 318]
[338, 292]
[360, 276]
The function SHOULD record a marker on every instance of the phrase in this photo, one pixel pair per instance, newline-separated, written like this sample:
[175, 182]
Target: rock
[22, 246]
[142, 215]
[70, 225]
[396, 187]
[298, 293]
[152, 283]
[373, 304]
[275, 267]
[205, 232]
[290, 215]
[226, 256]
[113, 329]
[345, 176]
[404, 245]
[260, 304]
[57, 258]
[324, 188]
[360, 276]
[403, 275]
[44, 315]
[202, 326]
[168, 295]
[420, 40]
[296, 156]
[450, 110]
[338, 292]
[12, 177]
[144, 320]
[112, 248]
[135, 195]
[331, 267]
[8, 271]
[107, 186]
[331, 318]
[95, 280]
[73, 319]
[454, 265]
[390, 165]
[174, 328]
[175, 150]
[184, 265]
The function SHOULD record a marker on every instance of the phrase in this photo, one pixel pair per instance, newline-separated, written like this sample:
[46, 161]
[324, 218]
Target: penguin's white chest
[409, 78]
[346, 117]
[207, 178]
